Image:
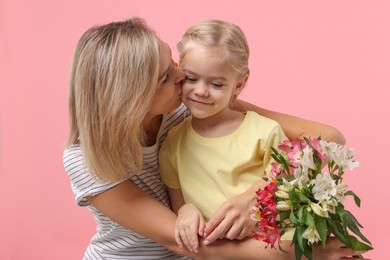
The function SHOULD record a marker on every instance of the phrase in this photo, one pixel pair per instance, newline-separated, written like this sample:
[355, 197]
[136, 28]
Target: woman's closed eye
[166, 79]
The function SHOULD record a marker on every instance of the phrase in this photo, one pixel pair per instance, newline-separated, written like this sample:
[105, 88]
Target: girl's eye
[190, 79]
[216, 85]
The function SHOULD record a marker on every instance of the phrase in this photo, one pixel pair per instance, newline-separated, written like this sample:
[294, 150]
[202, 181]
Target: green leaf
[275, 151]
[293, 197]
[335, 229]
[357, 245]
[284, 215]
[281, 248]
[294, 219]
[298, 252]
[308, 252]
[300, 215]
[354, 227]
[308, 218]
[303, 198]
[308, 142]
[355, 197]
[285, 164]
[321, 227]
[345, 238]
[300, 239]
[336, 218]
[276, 158]
[342, 214]
[354, 219]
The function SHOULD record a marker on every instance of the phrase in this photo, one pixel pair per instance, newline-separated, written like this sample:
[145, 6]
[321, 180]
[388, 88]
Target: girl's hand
[190, 223]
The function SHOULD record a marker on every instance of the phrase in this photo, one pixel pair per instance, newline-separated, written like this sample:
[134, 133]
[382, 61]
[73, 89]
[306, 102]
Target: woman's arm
[253, 249]
[130, 207]
[295, 127]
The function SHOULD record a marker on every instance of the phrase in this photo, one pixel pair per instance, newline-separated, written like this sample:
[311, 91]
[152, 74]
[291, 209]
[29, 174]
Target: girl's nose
[201, 89]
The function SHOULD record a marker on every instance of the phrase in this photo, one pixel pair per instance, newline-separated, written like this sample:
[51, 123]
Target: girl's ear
[240, 85]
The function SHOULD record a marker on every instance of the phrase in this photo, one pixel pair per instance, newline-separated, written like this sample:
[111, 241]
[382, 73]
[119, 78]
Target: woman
[124, 96]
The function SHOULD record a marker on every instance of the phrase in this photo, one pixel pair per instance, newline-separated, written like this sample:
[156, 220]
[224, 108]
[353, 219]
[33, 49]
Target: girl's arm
[295, 127]
[190, 222]
[176, 198]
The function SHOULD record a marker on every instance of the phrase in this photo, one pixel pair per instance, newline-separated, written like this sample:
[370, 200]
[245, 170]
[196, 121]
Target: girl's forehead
[206, 57]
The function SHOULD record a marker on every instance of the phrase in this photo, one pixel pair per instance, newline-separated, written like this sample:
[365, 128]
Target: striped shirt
[113, 241]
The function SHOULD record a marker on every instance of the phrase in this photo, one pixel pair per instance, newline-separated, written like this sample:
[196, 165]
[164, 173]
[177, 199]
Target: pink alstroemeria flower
[316, 145]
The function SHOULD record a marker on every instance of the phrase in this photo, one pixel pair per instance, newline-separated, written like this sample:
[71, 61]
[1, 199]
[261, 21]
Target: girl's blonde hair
[225, 36]
[113, 81]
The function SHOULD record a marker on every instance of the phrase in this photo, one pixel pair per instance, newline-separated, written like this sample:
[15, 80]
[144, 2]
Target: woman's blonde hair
[225, 36]
[113, 81]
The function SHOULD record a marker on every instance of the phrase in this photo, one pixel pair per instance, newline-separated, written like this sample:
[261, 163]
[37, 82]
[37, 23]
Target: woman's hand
[190, 223]
[334, 249]
[231, 220]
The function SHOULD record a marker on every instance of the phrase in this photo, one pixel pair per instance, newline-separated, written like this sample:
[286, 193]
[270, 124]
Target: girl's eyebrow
[213, 78]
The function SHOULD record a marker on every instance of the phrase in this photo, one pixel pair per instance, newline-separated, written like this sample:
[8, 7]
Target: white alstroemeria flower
[301, 175]
[341, 188]
[343, 157]
[317, 209]
[283, 205]
[286, 185]
[353, 164]
[307, 161]
[324, 187]
[282, 194]
[328, 148]
[311, 235]
[329, 206]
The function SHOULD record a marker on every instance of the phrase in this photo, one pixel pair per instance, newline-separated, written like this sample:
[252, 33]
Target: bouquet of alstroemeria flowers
[305, 194]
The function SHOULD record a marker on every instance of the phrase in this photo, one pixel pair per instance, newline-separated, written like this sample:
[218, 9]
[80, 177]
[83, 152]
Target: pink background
[324, 60]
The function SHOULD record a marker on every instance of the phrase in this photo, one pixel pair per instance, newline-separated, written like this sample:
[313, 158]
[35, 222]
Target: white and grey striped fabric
[113, 241]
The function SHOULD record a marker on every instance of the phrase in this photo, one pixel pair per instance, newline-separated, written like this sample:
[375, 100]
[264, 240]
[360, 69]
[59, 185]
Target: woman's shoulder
[82, 183]
[74, 148]
[71, 153]
[179, 113]
[175, 117]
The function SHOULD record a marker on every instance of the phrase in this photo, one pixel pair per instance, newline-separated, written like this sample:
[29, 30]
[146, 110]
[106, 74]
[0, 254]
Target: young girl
[218, 152]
